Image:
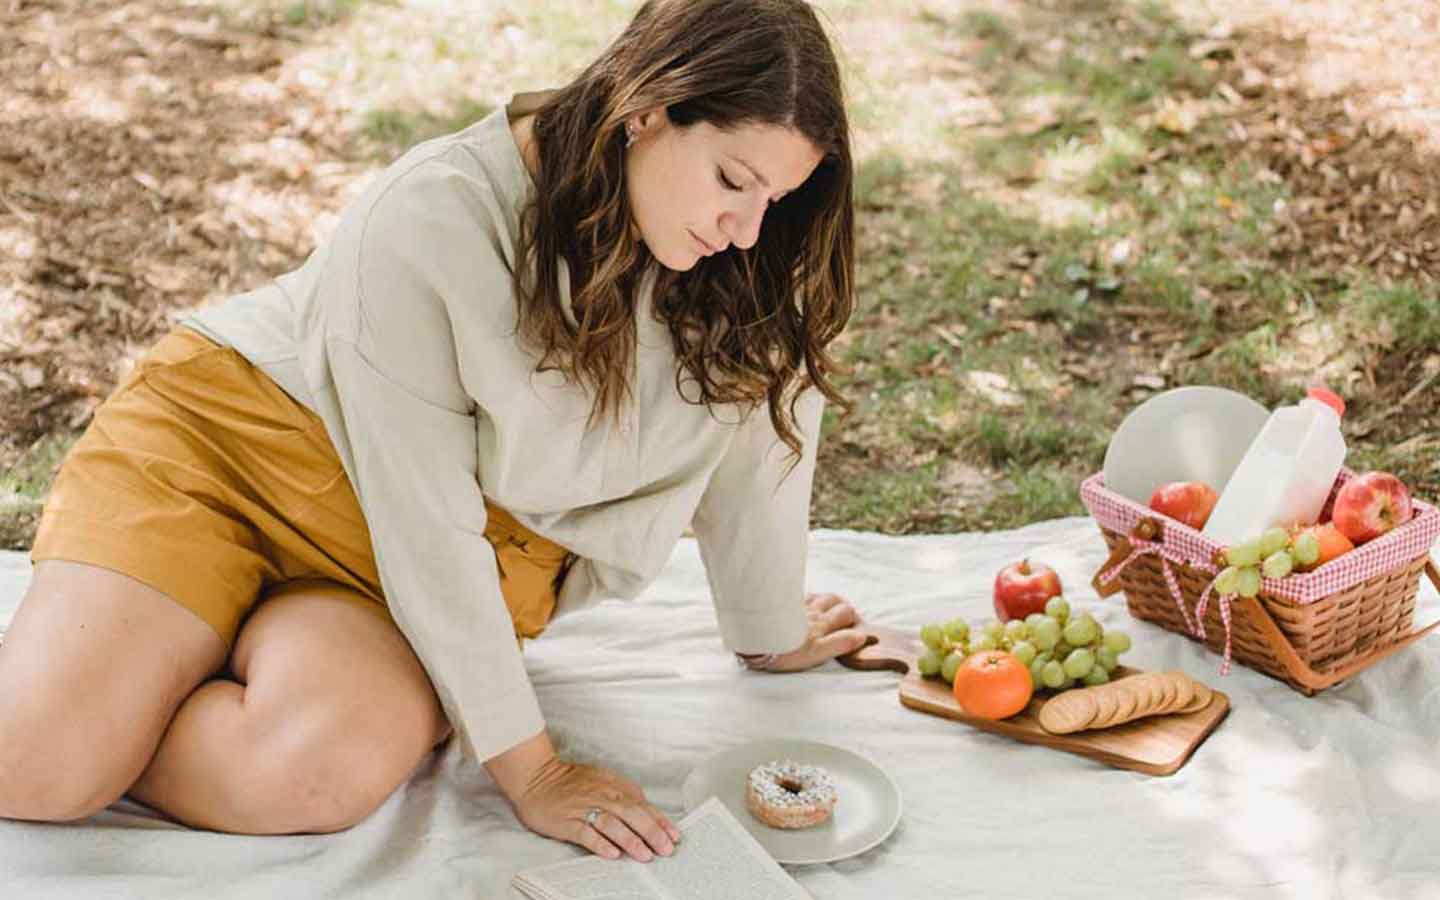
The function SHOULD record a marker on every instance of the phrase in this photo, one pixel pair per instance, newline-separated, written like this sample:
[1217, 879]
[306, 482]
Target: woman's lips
[709, 250]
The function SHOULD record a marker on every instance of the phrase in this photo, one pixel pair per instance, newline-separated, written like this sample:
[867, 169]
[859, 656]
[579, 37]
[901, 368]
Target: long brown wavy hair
[744, 322]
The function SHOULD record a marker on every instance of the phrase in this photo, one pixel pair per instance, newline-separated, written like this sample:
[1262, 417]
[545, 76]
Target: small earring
[629, 135]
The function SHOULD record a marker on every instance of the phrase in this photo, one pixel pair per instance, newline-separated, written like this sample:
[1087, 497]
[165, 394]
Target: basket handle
[1312, 679]
[1147, 529]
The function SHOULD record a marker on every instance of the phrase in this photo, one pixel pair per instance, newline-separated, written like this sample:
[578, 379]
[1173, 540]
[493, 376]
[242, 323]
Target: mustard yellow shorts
[202, 478]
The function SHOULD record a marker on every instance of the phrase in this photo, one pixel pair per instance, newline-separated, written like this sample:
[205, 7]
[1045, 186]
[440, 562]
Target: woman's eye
[726, 181]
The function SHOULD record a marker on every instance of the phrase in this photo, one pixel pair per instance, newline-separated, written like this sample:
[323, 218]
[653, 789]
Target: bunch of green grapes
[1059, 649]
[1275, 554]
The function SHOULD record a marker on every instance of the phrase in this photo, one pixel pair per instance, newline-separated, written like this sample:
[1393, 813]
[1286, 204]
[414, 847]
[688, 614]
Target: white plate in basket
[867, 812]
[1185, 434]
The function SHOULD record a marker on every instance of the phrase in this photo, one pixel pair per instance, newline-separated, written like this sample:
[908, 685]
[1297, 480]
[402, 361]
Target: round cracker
[1138, 688]
[1203, 696]
[1067, 712]
[1084, 698]
[1129, 696]
[1169, 687]
[1107, 704]
[1184, 691]
[1152, 691]
[1178, 694]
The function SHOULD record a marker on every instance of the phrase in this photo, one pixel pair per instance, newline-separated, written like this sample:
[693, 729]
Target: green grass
[29, 479]
[1034, 435]
[1034, 494]
[318, 12]
[885, 501]
[396, 130]
[293, 13]
[1408, 312]
[24, 487]
[1000, 39]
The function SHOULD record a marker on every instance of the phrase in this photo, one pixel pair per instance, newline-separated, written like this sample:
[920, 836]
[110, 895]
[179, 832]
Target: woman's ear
[647, 122]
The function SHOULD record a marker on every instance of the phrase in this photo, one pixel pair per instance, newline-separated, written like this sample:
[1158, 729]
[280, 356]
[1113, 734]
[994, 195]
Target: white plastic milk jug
[1286, 475]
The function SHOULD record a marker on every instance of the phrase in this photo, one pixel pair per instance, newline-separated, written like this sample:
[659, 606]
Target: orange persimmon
[992, 684]
[1332, 540]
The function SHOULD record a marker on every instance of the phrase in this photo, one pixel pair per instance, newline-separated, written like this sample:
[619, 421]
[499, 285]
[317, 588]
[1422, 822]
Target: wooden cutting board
[1158, 745]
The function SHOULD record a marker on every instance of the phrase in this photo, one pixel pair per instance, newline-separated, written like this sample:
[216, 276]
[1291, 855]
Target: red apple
[1369, 505]
[1022, 588]
[1185, 501]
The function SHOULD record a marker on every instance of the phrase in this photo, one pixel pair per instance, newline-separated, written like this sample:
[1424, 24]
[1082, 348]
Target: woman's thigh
[320, 642]
[92, 669]
[336, 696]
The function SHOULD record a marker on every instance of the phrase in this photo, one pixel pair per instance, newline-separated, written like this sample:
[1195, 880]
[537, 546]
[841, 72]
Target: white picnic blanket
[1336, 796]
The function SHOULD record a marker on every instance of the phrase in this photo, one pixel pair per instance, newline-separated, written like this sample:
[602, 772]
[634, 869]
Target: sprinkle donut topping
[788, 783]
[787, 794]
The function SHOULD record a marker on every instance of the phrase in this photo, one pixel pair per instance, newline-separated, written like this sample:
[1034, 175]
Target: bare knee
[93, 666]
[47, 775]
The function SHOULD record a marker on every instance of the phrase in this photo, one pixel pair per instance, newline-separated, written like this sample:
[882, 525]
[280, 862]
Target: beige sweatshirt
[398, 332]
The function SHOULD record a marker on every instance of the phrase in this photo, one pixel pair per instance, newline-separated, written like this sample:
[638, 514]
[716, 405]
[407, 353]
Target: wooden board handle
[885, 648]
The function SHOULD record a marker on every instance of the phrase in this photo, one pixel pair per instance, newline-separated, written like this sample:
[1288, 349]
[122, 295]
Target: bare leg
[327, 714]
[93, 667]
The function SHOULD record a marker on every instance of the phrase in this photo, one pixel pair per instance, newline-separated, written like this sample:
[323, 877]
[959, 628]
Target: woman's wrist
[514, 769]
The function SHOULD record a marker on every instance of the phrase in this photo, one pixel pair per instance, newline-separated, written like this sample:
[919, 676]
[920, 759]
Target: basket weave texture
[1310, 630]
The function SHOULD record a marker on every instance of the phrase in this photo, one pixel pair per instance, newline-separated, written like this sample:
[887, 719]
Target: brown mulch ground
[1366, 191]
[150, 159]
[1365, 182]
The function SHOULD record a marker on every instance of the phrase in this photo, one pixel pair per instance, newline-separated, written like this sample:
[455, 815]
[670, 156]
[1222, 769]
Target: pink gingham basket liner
[1384, 554]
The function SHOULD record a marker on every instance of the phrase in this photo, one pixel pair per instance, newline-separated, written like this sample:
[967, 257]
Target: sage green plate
[866, 813]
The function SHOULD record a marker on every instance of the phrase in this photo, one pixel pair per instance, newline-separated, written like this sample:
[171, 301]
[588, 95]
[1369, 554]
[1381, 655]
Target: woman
[303, 541]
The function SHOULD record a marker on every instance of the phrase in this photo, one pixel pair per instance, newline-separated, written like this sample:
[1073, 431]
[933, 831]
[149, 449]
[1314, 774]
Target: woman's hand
[558, 800]
[833, 632]
[585, 805]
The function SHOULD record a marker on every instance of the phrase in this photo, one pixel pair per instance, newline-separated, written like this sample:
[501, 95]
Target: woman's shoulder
[463, 186]
[428, 248]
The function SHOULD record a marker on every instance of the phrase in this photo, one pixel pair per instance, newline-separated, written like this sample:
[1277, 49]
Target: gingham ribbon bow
[1201, 604]
[1168, 558]
[1138, 548]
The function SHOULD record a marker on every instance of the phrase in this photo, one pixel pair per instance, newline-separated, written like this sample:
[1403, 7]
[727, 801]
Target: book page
[730, 864]
[587, 878]
[716, 859]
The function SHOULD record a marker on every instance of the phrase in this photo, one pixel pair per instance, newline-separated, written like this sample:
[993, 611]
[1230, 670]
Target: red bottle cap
[1329, 398]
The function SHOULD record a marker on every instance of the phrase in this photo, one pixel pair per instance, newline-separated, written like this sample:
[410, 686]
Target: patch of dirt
[1380, 58]
[1364, 177]
[1366, 192]
[151, 159]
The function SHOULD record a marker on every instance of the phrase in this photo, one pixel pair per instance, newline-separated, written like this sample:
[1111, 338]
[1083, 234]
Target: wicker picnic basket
[1311, 630]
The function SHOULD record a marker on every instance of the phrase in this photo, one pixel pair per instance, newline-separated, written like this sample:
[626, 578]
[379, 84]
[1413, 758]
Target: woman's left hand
[834, 632]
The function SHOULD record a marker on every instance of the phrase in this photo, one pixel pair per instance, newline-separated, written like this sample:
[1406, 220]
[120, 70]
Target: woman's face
[695, 191]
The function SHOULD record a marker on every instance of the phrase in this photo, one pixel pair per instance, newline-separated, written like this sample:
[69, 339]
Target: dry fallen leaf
[994, 387]
[31, 375]
[1176, 118]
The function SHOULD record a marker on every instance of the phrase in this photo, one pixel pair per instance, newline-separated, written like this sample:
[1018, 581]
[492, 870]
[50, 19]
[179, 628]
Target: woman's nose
[742, 225]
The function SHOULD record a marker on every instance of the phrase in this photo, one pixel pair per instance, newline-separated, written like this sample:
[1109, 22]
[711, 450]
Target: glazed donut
[786, 794]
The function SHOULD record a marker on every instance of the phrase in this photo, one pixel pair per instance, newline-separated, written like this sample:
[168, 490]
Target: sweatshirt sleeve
[388, 342]
[753, 532]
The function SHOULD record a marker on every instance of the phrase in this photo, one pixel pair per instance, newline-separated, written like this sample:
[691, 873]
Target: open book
[716, 859]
